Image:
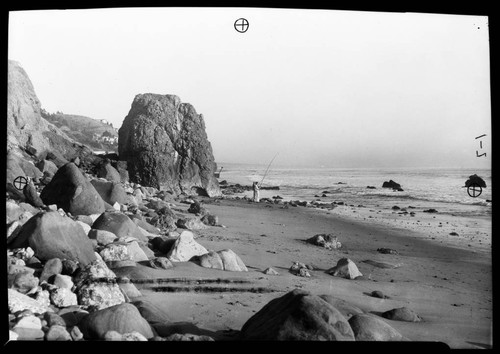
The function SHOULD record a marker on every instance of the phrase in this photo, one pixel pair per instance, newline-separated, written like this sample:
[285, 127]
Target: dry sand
[446, 279]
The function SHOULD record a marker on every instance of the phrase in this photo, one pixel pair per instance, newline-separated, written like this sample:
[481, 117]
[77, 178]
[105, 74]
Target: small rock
[76, 334]
[345, 268]
[52, 267]
[57, 333]
[270, 271]
[378, 294]
[63, 297]
[402, 314]
[160, 263]
[63, 281]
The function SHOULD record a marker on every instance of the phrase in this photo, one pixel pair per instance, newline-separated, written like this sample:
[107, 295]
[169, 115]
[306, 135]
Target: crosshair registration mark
[474, 190]
[241, 25]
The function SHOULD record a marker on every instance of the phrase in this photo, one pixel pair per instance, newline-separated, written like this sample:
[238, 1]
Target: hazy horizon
[317, 87]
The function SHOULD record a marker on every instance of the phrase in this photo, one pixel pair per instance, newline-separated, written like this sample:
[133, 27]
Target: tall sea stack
[165, 145]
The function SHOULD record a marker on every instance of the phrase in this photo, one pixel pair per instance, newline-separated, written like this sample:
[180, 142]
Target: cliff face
[24, 122]
[26, 129]
[165, 145]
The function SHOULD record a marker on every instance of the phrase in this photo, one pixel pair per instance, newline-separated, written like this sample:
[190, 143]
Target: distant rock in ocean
[165, 145]
[475, 179]
[393, 185]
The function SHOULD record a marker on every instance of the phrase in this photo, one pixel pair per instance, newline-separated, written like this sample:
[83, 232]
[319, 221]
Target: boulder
[71, 191]
[298, 315]
[370, 328]
[121, 167]
[31, 195]
[119, 224]
[196, 208]
[18, 165]
[210, 220]
[270, 271]
[231, 261]
[110, 192]
[47, 166]
[185, 247]
[115, 252]
[344, 307]
[57, 333]
[96, 286]
[63, 297]
[402, 314]
[475, 179]
[391, 184]
[122, 318]
[136, 252]
[13, 211]
[102, 237]
[328, 241]
[165, 145]
[20, 302]
[51, 235]
[107, 171]
[209, 260]
[151, 312]
[63, 281]
[51, 268]
[166, 220]
[160, 263]
[345, 268]
[145, 225]
[23, 281]
[191, 224]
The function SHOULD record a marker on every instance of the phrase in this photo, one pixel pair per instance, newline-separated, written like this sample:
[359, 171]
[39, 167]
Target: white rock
[63, 281]
[136, 253]
[63, 297]
[115, 252]
[345, 268]
[185, 247]
[30, 321]
[13, 230]
[116, 206]
[13, 335]
[231, 261]
[19, 302]
[94, 217]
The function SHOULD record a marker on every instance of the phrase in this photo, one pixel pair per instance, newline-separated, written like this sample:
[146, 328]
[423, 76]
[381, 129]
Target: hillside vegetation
[94, 133]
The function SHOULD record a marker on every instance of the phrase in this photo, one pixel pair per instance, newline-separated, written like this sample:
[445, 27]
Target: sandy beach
[445, 279]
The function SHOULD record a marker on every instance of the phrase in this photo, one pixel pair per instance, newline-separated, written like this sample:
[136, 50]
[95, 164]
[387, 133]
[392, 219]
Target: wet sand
[446, 279]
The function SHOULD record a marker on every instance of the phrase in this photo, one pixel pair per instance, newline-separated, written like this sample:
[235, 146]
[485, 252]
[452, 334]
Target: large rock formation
[165, 145]
[26, 129]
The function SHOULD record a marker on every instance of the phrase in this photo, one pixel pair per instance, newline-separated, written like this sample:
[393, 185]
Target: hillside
[97, 134]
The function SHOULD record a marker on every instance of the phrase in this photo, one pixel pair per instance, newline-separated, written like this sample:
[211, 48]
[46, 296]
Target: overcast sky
[319, 87]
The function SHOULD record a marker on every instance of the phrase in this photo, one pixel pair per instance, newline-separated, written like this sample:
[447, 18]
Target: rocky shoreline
[70, 233]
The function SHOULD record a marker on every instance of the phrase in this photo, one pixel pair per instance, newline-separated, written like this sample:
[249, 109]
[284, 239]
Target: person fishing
[256, 185]
[256, 188]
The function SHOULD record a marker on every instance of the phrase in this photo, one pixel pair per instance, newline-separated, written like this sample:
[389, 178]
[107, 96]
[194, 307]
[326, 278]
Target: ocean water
[438, 188]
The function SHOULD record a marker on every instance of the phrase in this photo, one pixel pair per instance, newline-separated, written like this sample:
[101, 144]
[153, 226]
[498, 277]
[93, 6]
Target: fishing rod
[265, 174]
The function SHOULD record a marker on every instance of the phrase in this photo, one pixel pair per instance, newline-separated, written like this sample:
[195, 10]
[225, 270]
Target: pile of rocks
[69, 231]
